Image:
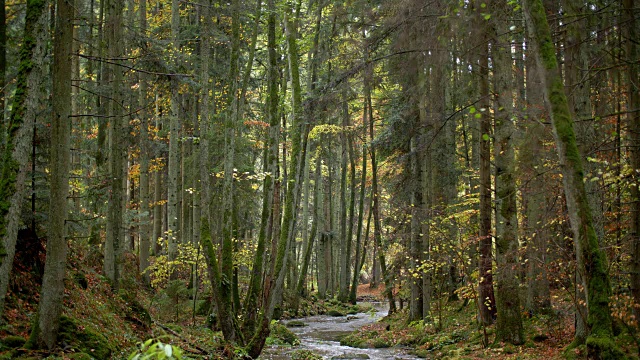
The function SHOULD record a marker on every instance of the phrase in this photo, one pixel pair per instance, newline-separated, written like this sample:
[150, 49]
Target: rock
[352, 317]
[335, 313]
[296, 323]
[350, 356]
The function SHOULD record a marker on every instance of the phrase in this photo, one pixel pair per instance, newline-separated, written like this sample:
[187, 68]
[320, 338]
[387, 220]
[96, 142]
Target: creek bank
[322, 334]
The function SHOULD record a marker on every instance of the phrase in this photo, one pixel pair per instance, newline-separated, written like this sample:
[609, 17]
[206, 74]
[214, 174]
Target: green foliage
[152, 349]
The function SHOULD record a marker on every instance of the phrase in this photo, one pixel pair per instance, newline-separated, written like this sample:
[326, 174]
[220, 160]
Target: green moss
[381, 342]
[13, 342]
[305, 355]
[84, 339]
[280, 335]
[136, 312]
[80, 356]
[334, 312]
[353, 340]
[603, 348]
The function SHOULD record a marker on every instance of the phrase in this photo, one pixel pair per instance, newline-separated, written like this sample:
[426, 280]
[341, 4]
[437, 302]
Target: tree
[634, 129]
[45, 328]
[486, 297]
[509, 326]
[114, 242]
[19, 128]
[591, 260]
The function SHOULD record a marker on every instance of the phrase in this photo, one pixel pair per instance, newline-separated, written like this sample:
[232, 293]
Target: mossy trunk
[271, 165]
[19, 129]
[591, 261]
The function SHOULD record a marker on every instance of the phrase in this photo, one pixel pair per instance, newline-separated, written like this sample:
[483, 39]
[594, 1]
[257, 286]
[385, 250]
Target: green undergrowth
[459, 336]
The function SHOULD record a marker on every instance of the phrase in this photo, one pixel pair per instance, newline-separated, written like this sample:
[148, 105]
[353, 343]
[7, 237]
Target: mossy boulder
[13, 342]
[280, 335]
[346, 356]
[305, 355]
[336, 313]
[83, 339]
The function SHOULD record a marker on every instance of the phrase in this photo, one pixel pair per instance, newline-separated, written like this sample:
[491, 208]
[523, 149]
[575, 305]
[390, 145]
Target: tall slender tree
[19, 132]
[45, 328]
[591, 260]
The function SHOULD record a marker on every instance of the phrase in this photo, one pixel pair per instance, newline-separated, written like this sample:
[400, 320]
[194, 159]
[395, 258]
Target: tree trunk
[271, 169]
[486, 298]
[633, 116]
[509, 326]
[173, 164]
[45, 328]
[145, 243]
[363, 186]
[591, 260]
[117, 153]
[377, 230]
[19, 131]
[345, 242]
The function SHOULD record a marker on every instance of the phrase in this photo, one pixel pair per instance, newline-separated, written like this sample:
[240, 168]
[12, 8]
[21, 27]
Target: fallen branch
[200, 350]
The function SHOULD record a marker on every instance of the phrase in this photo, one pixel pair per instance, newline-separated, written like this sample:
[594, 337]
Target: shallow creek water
[322, 336]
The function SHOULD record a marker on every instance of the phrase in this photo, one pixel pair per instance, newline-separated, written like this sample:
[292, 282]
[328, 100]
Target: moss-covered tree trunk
[224, 293]
[270, 168]
[591, 260]
[19, 129]
[45, 328]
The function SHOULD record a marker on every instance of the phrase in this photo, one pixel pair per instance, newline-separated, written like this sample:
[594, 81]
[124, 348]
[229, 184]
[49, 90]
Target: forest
[180, 179]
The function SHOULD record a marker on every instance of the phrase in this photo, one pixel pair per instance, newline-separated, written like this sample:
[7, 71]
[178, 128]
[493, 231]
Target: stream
[322, 336]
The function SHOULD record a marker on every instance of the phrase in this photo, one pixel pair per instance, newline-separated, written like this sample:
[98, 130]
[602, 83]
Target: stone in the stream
[349, 356]
[296, 323]
[352, 317]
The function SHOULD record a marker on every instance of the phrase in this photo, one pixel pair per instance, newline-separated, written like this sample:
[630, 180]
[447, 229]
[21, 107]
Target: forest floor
[100, 324]
[455, 333]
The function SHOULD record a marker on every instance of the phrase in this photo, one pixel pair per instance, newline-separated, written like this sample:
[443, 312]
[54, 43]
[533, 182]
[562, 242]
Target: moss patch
[280, 335]
[13, 342]
[83, 339]
[305, 355]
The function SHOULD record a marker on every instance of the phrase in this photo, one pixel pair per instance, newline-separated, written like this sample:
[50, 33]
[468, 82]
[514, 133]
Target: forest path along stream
[322, 335]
